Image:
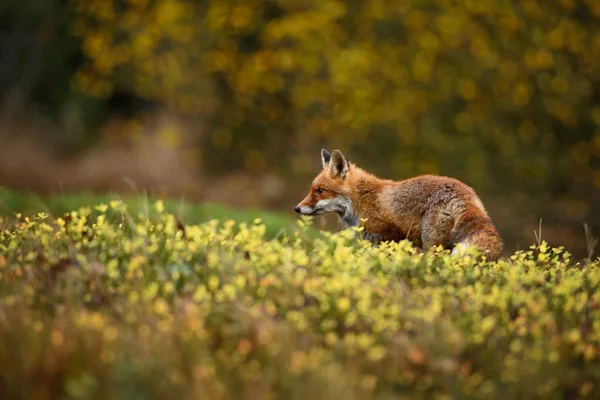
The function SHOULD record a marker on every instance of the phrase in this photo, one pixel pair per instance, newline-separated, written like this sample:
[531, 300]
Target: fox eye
[319, 191]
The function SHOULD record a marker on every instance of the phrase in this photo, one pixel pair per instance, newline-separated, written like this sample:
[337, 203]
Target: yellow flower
[159, 206]
[343, 304]
[213, 282]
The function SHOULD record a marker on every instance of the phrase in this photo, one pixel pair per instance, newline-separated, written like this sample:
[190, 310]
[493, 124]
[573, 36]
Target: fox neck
[349, 216]
[362, 201]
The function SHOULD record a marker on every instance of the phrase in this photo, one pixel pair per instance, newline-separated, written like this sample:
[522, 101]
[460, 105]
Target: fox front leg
[374, 238]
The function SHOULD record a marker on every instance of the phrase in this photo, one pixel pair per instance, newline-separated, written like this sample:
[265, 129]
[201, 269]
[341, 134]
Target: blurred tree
[38, 56]
[503, 93]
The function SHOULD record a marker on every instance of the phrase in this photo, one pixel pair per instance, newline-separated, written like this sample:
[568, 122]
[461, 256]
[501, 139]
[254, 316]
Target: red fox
[428, 210]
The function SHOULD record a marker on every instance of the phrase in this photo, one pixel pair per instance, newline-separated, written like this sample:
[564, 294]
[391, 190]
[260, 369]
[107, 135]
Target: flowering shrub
[101, 304]
[477, 89]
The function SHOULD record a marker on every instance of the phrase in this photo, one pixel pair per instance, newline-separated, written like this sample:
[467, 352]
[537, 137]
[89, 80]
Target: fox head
[330, 190]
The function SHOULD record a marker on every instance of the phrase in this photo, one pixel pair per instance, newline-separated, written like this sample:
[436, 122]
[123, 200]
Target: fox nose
[297, 209]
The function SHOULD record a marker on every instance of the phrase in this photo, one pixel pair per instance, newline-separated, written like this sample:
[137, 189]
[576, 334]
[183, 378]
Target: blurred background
[230, 101]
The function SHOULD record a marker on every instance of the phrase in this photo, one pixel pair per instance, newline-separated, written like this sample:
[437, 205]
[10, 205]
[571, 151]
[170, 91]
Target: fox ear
[338, 166]
[325, 157]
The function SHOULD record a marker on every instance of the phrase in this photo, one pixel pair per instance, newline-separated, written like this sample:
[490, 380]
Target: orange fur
[428, 210]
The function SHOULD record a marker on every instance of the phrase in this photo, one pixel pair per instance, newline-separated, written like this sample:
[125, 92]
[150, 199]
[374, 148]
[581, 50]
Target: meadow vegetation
[58, 204]
[109, 302]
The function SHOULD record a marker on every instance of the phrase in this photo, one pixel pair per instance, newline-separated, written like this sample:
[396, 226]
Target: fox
[428, 210]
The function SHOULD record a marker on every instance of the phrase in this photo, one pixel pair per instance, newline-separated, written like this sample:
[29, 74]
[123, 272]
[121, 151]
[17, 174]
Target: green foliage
[105, 303]
[477, 89]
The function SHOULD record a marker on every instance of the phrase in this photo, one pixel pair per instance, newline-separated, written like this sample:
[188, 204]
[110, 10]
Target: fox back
[428, 210]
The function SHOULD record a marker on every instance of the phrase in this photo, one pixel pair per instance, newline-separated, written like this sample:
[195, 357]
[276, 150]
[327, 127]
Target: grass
[11, 202]
[109, 302]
